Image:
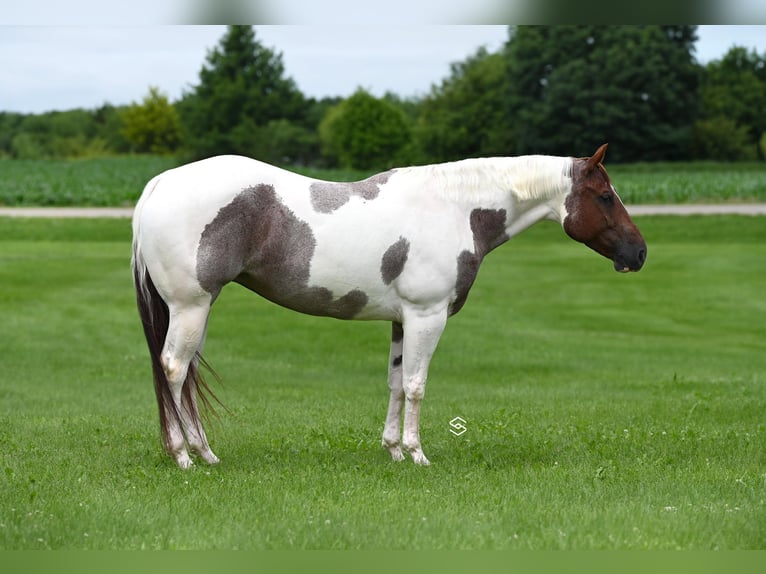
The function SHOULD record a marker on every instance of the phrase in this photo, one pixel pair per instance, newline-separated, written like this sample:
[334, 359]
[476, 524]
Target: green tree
[720, 138]
[242, 89]
[60, 134]
[734, 89]
[290, 143]
[9, 126]
[465, 116]
[153, 126]
[109, 130]
[574, 87]
[365, 132]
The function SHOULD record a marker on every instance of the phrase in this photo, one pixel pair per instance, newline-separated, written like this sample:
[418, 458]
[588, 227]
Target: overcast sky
[46, 68]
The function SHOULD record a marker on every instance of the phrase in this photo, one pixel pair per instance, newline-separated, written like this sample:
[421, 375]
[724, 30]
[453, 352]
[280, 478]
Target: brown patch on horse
[319, 301]
[597, 217]
[259, 242]
[392, 263]
[488, 227]
[397, 332]
[467, 269]
[327, 196]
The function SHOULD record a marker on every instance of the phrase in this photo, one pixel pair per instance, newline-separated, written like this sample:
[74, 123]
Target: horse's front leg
[392, 432]
[422, 330]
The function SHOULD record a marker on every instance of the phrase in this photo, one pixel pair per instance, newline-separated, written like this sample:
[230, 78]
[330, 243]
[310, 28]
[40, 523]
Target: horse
[402, 246]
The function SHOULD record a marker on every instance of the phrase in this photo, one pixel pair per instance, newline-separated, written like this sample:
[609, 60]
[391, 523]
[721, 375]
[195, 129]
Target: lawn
[603, 410]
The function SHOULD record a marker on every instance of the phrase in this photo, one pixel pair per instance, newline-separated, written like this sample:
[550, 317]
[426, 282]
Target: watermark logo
[457, 426]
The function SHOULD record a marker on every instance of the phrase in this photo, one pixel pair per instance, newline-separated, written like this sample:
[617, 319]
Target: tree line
[550, 89]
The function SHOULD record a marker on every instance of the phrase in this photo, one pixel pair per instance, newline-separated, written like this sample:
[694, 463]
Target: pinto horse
[402, 246]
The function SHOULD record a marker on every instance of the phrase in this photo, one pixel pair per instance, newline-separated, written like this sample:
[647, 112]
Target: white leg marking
[421, 335]
[175, 374]
[185, 334]
[392, 432]
[195, 432]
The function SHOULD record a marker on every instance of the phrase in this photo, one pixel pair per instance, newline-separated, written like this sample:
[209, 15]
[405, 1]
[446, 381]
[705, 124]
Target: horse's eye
[606, 197]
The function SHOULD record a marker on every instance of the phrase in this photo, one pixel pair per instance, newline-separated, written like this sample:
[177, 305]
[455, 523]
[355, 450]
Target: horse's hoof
[420, 459]
[211, 459]
[183, 461]
[396, 453]
[209, 456]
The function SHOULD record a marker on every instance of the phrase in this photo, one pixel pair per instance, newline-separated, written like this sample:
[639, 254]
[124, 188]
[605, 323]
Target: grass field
[603, 411]
[119, 181]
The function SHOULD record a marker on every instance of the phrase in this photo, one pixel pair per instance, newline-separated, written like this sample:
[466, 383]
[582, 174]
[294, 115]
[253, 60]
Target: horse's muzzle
[630, 258]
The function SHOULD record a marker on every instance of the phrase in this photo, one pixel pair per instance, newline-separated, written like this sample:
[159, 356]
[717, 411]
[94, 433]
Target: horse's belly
[349, 303]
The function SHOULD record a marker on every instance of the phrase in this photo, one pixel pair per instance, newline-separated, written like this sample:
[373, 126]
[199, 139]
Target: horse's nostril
[642, 256]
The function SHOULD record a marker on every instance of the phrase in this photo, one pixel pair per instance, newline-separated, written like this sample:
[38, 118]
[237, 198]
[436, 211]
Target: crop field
[119, 181]
[110, 181]
[603, 411]
[98, 182]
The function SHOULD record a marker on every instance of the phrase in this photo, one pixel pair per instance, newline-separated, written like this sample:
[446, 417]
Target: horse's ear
[597, 158]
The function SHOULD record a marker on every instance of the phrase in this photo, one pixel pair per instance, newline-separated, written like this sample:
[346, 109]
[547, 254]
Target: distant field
[118, 181]
[690, 182]
[112, 181]
[604, 411]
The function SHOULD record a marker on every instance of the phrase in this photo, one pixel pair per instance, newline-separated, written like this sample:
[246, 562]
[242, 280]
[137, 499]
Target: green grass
[603, 410]
[120, 180]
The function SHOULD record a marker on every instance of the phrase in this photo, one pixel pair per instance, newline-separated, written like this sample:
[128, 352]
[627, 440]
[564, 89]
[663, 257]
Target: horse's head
[596, 216]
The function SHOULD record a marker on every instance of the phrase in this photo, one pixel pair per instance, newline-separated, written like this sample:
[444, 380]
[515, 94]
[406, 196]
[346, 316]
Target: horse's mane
[527, 177]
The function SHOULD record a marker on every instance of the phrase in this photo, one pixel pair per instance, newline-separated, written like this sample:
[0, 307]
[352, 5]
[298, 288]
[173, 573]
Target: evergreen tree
[242, 89]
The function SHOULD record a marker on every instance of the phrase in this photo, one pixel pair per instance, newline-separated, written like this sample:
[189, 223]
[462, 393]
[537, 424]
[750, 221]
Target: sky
[54, 67]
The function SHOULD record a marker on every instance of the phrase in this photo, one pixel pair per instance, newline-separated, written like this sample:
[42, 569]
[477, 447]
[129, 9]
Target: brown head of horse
[596, 216]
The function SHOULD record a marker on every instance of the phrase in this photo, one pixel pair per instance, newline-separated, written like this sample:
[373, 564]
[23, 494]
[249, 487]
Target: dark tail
[155, 318]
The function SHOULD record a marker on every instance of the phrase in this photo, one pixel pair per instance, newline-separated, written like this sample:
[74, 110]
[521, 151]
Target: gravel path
[702, 209]
[127, 212]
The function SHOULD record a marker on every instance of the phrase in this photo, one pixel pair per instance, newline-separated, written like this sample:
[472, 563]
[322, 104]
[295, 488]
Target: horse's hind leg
[186, 332]
[192, 423]
[391, 432]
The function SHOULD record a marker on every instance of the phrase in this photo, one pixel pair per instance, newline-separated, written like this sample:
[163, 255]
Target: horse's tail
[155, 318]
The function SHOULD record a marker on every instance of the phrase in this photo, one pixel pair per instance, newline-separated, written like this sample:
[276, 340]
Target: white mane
[526, 177]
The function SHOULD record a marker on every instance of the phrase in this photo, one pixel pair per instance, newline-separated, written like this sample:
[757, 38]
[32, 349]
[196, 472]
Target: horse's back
[185, 199]
[219, 179]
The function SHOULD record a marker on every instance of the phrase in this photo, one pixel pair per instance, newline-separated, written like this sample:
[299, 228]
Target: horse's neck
[502, 182]
[527, 188]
